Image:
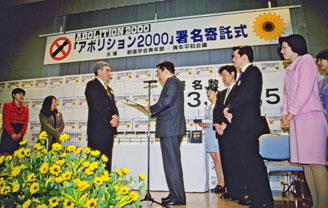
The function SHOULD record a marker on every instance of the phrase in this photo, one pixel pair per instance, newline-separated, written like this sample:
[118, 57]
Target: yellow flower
[103, 165]
[71, 148]
[23, 167]
[67, 175]
[9, 158]
[38, 146]
[53, 201]
[16, 187]
[105, 176]
[15, 171]
[27, 152]
[31, 177]
[56, 146]
[2, 158]
[43, 135]
[34, 188]
[134, 195]
[119, 172]
[23, 142]
[125, 171]
[86, 164]
[93, 165]
[88, 171]
[104, 158]
[78, 150]
[116, 187]
[95, 153]
[59, 179]
[27, 204]
[282, 183]
[44, 168]
[5, 190]
[142, 177]
[44, 151]
[124, 190]
[63, 155]
[87, 150]
[82, 185]
[60, 162]
[41, 206]
[55, 170]
[63, 137]
[91, 203]
[98, 181]
[68, 204]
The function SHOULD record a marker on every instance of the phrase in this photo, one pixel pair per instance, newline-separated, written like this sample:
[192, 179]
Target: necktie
[241, 72]
[106, 88]
[226, 95]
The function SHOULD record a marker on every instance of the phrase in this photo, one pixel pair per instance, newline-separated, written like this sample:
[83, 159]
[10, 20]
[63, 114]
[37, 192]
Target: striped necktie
[106, 88]
[226, 95]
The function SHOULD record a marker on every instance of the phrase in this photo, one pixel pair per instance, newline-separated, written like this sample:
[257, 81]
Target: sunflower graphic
[269, 26]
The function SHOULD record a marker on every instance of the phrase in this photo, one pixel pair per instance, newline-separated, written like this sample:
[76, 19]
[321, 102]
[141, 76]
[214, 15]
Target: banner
[169, 36]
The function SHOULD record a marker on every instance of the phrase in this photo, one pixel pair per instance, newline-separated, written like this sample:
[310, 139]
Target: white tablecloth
[134, 157]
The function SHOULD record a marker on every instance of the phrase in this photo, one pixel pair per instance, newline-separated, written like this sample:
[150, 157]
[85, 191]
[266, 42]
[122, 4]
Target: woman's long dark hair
[46, 106]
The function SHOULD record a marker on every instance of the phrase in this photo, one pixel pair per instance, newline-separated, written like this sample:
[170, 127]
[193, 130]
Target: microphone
[150, 81]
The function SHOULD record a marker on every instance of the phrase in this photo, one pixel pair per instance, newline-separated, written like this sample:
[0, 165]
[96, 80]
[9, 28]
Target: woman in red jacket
[15, 120]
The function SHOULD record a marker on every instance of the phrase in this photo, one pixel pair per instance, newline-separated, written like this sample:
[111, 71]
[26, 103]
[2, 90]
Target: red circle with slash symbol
[60, 48]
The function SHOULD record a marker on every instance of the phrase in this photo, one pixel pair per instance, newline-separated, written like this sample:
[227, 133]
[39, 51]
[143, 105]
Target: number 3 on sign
[271, 96]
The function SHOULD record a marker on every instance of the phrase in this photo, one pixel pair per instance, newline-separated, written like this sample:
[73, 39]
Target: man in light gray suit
[170, 128]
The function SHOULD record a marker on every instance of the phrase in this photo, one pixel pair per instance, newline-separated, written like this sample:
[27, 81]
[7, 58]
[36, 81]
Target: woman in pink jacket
[304, 113]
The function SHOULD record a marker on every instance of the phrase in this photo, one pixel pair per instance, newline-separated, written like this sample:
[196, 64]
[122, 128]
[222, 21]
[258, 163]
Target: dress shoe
[166, 198]
[244, 202]
[171, 203]
[225, 196]
[218, 189]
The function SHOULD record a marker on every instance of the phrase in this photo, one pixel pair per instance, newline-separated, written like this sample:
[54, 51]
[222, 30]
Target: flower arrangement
[64, 176]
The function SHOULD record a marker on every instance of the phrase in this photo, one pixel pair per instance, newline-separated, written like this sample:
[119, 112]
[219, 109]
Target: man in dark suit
[103, 113]
[170, 128]
[244, 113]
[228, 142]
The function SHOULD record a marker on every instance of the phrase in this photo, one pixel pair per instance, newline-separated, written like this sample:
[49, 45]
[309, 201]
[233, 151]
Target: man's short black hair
[166, 64]
[245, 50]
[322, 55]
[228, 68]
[17, 91]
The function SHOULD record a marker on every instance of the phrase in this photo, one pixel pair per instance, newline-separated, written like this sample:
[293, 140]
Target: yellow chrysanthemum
[134, 195]
[42, 206]
[93, 165]
[23, 167]
[16, 187]
[44, 168]
[53, 201]
[38, 146]
[55, 170]
[27, 152]
[63, 155]
[83, 185]
[86, 164]
[104, 158]
[269, 26]
[9, 158]
[71, 148]
[68, 204]
[34, 188]
[119, 172]
[78, 150]
[44, 151]
[105, 176]
[63, 137]
[43, 135]
[57, 146]
[59, 179]
[15, 171]
[98, 181]
[87, 150]
[31, 177]
[124, 190]
[60, 162]
[27, 204]
[95, 153]
[2, 158]
[91, 203]
[125, 171]
[23, 142]
[142, 177]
